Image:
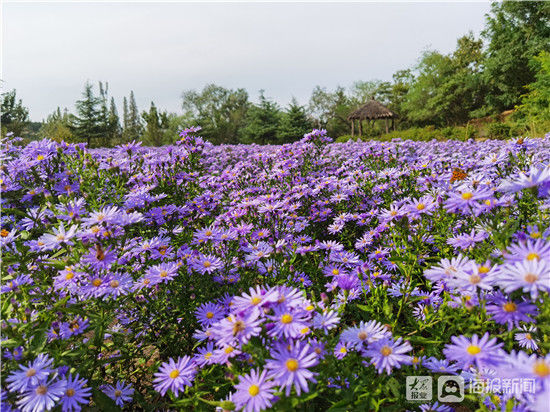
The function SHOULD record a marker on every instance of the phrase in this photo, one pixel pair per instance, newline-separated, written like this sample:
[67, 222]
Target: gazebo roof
[372, 110]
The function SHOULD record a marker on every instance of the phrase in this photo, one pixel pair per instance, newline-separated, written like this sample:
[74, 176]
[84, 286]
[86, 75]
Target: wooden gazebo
[371, 111]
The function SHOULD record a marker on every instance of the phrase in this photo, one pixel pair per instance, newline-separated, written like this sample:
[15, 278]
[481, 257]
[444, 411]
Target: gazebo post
[352, 128]
[360, 127]
[386, 125]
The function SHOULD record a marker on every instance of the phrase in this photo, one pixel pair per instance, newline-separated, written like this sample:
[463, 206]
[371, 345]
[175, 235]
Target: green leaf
[104, 403]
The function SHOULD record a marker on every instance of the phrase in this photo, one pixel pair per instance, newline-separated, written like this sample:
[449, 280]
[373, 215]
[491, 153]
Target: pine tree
[294, 123]
[87, 125]
[134, 127]
[156, 124]
[125, 121]
[262, 122]
[114, 129]
[15, 117]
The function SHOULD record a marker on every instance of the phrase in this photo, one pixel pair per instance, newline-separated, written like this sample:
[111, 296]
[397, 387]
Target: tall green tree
[132, 125]
[58, 126]
[15, 116]
[294, 123]
[262, 122]
[114, 129]
[87, 125]
[156, 125]
[515, 31]
[447, 89]
[535, 105]
[331, 109]
[219, 111]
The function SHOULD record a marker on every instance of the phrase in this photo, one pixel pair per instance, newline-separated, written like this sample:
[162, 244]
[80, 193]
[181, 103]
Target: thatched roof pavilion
[370, 111]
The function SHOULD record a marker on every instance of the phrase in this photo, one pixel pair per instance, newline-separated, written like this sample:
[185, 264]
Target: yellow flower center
[292, 365]
[228, 350]
[118, 393]
[30, 372]
[255, 300]
[509, 307]
[362, 335]
[541, 369]
[174, 374]
[475, 279]
[208, 233]
[208, 355]
[70, 392]
[69, 276]
[415, 360]
[4, 233]
[239, 326]
[96, 282]
[335, 272]
[304, 330]
[421, 206]
[40, 157]
[114, 283]
[41, 390]
[386, 350]
[484, 269]
[535, 235]
[207, 264]
[467, 195]
[163, 273]
[528, 336]
[473, 349]
[531, 278]
[253, 390]
[532, 256]
[209, 315]
[286, 318]
[309, 308]
[343, 349]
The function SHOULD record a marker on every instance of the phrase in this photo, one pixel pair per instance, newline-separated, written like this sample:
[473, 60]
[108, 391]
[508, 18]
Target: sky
[159, 50]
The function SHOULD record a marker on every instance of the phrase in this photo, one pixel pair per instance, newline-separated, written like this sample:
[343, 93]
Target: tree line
[507, 67]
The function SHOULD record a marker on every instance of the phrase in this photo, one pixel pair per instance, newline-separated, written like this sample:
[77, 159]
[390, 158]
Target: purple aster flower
[237, 328]
[526, 338]
[204, 355]
[467, 240]
[42, 397]
[536, 176]
[76, 394]
[254, 392]
[327, 320]
[507, 311]
[59, 236]
[436, 407]
[387, 354]
[98, 258]
[174, 375]
[440, 366]
[289, 322]
[290, 367]
[163, 272]
[14, 354]
[254, 299]
[341, 350]
[209, 313]
[31, 375]
[473, 351]
[120, 393]
[207, 264]
[448, 269]
[530, 276]
[529, 250]
[365, 333]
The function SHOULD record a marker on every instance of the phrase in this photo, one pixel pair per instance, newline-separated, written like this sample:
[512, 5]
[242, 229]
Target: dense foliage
[307, 276]
[482, 77]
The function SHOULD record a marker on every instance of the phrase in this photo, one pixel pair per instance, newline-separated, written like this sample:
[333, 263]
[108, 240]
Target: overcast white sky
[160, 49]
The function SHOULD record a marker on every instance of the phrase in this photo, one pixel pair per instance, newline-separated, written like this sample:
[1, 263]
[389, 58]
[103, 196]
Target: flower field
[311, 276]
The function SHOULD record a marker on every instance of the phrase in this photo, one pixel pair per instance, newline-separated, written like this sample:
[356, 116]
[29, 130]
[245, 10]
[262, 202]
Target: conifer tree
[294, 123]
[87, 124]
[156, 125]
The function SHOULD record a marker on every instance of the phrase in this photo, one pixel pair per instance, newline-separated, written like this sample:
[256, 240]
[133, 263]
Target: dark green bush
[499, 130]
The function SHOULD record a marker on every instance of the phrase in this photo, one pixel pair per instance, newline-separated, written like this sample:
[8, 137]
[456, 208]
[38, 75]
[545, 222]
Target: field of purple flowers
[312, 276]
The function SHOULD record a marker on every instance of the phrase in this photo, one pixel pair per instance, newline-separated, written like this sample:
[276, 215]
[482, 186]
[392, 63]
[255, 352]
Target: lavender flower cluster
[313, 274]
